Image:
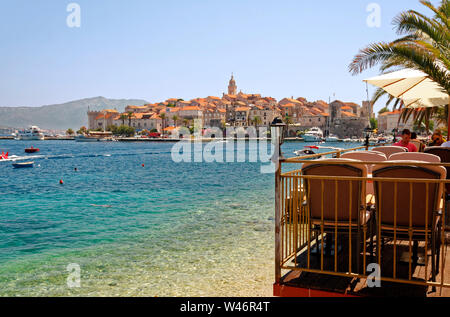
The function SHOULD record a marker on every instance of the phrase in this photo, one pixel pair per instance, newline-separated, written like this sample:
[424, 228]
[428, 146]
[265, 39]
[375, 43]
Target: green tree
[383, 110]
[130, 116]
[82, 130]
[123, 117]
[257, 121]
[69, 132]
[373, 123]
[111, 128]
[423, 127]
[124, 130]
[423, 45]
[163, 117]
[175, 120]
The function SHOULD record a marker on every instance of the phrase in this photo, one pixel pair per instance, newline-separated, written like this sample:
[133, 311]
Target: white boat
[32, 133]
[86, 138]
[332, 138]
[313, 135]
[305, 152]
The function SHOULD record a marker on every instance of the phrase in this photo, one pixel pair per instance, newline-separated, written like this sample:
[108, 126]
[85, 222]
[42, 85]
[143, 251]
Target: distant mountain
[63, 116]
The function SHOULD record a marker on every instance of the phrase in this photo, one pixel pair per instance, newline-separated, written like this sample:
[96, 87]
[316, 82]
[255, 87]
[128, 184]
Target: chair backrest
[323, 193]
[444, 154]
[419, 145]
[416, 156]
[366, 156]
[389, 150]
[402, 207]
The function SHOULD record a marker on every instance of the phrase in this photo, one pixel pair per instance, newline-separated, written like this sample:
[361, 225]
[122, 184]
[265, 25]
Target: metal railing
[305, 243]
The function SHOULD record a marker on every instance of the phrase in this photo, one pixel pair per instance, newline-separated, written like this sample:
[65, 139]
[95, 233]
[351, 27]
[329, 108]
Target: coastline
[168, 140]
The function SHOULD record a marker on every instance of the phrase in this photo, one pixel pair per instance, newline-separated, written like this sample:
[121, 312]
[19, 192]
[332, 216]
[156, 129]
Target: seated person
[437, 139]
[406, 137]
[446, 144]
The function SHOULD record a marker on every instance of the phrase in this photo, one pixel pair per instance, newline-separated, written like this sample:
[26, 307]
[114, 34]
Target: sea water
[158, 229]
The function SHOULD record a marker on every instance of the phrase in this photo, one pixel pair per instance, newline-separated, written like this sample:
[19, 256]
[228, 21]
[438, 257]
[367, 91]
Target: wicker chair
[409, 213]
[347, 215]
[389, 150]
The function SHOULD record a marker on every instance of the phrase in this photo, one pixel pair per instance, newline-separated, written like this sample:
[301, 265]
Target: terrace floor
[296, 283]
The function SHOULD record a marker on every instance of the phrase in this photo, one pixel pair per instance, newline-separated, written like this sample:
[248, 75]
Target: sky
[155, 50]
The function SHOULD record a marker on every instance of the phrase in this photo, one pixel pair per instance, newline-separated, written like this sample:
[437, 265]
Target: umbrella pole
[448, 122]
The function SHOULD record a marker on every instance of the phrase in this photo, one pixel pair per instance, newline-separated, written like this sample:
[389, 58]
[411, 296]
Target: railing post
[277, 221]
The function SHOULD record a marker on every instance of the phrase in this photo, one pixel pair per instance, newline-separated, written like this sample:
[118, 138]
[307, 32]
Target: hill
[60, 116]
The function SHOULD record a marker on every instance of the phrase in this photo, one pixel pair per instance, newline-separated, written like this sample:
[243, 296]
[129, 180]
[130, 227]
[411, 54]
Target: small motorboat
[307, 151]
[23, 165]
[31, 150]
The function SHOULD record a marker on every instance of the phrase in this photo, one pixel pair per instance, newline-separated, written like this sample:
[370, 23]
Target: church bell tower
[232, 88]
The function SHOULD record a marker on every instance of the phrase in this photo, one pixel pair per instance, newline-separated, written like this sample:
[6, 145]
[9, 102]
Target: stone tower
[335, 110]
[367, 110]
[232, 88]
[91, 119]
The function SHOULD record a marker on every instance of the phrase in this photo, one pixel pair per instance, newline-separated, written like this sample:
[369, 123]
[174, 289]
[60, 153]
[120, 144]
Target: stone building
[346, 120]
[101, 119]
[140, 121]
[388, 121]
[214, 118]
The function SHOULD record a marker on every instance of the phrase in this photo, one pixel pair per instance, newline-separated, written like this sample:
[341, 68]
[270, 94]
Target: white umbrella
[414, 87]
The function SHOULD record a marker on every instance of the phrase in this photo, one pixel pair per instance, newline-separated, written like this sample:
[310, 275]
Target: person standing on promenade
[406, 137]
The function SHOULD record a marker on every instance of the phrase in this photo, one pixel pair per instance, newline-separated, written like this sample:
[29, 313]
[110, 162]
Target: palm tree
[82, 130]
[69, 132]
[130, 115]
[423, 45]
[123, 117]
[383, 110]
[186, 122]
[175, 120]
[257, 121]
[163, 117]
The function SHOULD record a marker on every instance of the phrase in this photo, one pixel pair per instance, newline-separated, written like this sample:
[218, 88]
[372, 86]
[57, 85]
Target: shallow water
[165, 229]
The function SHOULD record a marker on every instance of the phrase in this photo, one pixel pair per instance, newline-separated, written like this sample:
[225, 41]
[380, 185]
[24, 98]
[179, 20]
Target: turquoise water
[165, 229]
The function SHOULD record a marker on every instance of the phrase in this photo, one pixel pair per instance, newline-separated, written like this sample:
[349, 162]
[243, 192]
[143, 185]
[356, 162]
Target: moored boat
[85, 138]
[313, 135]
[23, 165]
[308, 150]
[31, 150]
[332, 138]
[32, 133]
